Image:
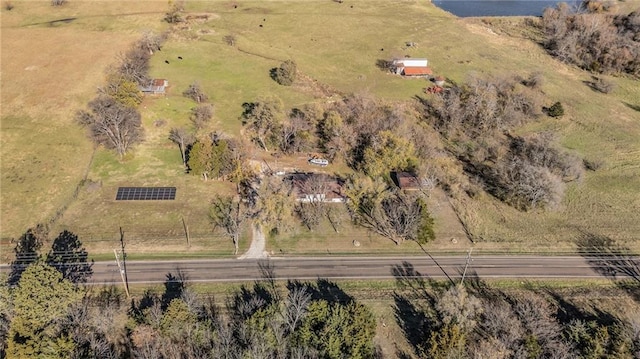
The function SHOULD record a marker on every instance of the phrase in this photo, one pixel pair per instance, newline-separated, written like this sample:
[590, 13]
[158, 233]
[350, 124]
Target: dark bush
[285, 74]
[556, 110]
[593, 165]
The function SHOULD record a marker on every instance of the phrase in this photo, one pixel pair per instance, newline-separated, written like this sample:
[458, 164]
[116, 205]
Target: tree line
[46, 316]
[112, 118]
[594, 40]
[477, 320]
[476, 120]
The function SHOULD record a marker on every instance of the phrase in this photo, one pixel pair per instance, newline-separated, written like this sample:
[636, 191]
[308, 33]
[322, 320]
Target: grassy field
[46, 78]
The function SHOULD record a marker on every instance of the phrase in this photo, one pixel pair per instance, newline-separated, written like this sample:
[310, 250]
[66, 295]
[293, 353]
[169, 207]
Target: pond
[467, 8]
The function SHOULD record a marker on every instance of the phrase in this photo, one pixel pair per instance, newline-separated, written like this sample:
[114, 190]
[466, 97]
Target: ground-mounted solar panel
[146, 193]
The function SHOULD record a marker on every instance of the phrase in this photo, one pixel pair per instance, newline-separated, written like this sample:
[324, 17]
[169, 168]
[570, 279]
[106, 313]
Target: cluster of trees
[599, 42]
[478, 321]
[46, 316]
[475, 120]
[112, 119]
[36, 293]
[262, 321]
[200, 116]
[174, 15]
[373, 137]
[216, 156]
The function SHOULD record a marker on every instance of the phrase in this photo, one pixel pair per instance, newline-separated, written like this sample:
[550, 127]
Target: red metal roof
[158, 82]
[406, 180]
[416, 71]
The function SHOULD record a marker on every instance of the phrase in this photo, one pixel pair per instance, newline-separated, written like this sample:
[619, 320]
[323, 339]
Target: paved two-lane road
[348, 268]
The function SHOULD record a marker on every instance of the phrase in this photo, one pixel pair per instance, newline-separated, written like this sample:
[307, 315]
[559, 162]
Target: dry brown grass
[50, 70]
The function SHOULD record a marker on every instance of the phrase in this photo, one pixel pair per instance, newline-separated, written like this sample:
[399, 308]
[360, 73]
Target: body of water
[467, 8]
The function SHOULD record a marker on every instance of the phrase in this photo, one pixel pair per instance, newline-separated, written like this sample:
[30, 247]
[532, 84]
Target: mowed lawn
[335, 44]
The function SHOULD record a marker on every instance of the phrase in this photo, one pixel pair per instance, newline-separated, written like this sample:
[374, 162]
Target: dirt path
[258, 243]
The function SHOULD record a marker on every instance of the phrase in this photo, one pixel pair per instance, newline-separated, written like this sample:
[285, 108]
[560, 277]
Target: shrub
[201, 115]
[526, 186]
[229, 40]
[285, 74]
[58, 2]
[173, 15]
[556, 110]
[195, 92]
[534, 81]
[602, 85]
[592, 164]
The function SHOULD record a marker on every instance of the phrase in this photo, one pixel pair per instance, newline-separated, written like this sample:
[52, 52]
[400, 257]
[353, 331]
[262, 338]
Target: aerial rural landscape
[319, 179]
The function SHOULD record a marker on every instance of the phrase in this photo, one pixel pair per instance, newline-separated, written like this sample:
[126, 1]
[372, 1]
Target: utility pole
[124, 263]
[124, 282]
[186, 232]
[466, 266]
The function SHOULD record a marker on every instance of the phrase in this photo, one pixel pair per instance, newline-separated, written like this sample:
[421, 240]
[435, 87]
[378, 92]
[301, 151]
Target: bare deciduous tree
[134, 66]
[183, 139]
[228, 214]
[230, 40]
[538, 320]
[195, 92]
[295, 134]
[390, 213]
[151, 41]
[296, 306]
[457, 306]
[527, 186]
[314, 188]
[201, 115]
[112, 124]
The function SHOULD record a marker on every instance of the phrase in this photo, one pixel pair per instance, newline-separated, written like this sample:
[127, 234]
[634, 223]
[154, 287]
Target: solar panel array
[145, 193]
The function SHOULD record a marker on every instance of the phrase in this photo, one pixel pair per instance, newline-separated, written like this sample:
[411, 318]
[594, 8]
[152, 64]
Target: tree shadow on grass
[613, 261]
[414, 291]
[26, 251]
[174, 286]
[322, 289]
[608, 258]
[632, 106]
[568, 311]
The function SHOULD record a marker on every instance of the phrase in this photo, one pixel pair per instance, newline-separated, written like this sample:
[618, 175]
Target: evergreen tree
[41, 299]
[200, 157]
